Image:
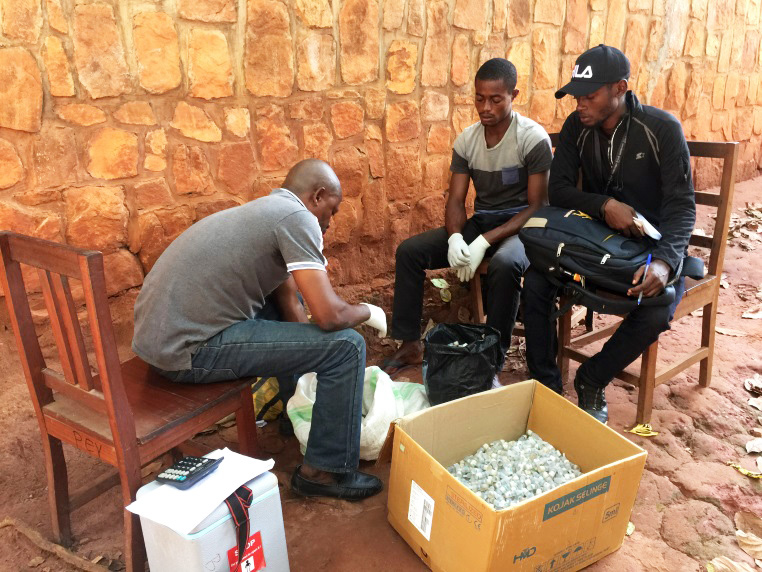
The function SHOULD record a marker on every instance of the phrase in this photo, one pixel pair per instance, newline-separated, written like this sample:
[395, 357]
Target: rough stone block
[519, 12]
[494, 47]
[542, 108]
[157, 51]
[306, 109]
[436, 177]
[757, 113]
[191, 171]
[731, 91]
[33, 197]
[277, 148]
[154, 163]
[343, 224]
[438, 140]
[210, 71]
[726, 46]
[545, 50]
[358, 30]
[435, 106]
[316, 62]
[575, 28]
[695, 39]
[462, 117]
[597, 29]
[56, 17]
[122, 270]
[721, 14]
[112, 154]
[375, 103]
[193, 122]
[22, 20]
[404, 174]
[403, 121]
[401, 60]
[81, 114]
[268, 62]
[718, 92]
[317, 141]
[436, 51]
[11, 168]
[416, 15]
[135, 113]
[428, 213]
[470, 14]
[694, 90]
[32, 222]
[347, 118]
[207, 10]
[678, 80]
[55, 157]
[374, 204]
[752, 51]
[315, 13]
[96, 217]
[351, 167]
[635, 42]
[207, 208]
[460, 72]
[156, 142]
[394, 12]
[698, 9]
[98, 51]
[157, 229]
[236, 168]
[499, 15]
[549, 12]
[375, 152]
[520, 54]
[237, 121]
[655, 39]
[57, 66]
[615, 23]
[152, 194]
[20, 90]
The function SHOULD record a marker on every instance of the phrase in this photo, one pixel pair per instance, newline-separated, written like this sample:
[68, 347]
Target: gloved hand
[457, 253]
[377, 319]
[476, 250]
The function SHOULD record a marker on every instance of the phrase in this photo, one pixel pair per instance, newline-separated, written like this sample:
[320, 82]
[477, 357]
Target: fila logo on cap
[587, 73]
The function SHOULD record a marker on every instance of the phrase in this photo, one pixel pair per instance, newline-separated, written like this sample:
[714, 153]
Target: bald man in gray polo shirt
[202, 317]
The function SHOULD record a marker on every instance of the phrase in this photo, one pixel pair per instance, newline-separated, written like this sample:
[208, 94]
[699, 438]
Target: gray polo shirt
[219, 272]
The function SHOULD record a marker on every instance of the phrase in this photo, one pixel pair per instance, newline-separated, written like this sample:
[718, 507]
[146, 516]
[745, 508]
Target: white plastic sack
[383, 401]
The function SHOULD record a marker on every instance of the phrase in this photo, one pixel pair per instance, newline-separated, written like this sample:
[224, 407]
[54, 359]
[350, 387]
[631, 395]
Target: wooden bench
[698, 294]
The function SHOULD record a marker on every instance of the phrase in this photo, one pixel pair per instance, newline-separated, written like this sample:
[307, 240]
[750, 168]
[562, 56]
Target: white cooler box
[211, 546]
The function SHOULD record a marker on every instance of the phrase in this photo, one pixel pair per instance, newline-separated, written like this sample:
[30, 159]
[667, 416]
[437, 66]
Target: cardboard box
[565, 529]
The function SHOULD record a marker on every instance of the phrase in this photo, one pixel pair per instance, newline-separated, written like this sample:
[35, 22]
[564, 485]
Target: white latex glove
[476, 254]
[457, 253]
[377, 319]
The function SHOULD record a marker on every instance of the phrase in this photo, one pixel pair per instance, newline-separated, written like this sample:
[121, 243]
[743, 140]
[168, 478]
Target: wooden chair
[125, 414]
[698, 294]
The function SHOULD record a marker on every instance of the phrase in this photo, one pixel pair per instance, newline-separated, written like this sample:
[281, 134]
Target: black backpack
[588, 258]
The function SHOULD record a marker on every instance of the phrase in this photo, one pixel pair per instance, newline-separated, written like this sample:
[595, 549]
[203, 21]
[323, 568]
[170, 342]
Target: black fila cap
[595, 68]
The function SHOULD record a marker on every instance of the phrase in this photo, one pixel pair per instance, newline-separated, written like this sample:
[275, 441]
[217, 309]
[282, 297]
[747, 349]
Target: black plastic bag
[451, 372]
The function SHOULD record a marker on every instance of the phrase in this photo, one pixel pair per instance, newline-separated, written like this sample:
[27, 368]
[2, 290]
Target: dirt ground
[683, 516]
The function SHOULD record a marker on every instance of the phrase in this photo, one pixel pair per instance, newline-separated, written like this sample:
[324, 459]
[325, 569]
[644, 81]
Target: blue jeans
[262, 347]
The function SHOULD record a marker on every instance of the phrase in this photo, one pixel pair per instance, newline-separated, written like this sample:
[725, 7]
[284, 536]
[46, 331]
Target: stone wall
[123, 122]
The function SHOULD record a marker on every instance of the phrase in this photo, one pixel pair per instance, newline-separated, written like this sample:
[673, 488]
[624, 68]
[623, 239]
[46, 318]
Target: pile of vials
[505, 473]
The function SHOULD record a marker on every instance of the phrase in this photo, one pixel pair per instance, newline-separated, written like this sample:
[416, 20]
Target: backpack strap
[238, 505]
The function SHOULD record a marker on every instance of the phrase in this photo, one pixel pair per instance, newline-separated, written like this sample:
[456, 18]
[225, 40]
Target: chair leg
[647, 383]
[246, 421]
[707, 341]
[564, 339]
[476, 298]
[134, 547]
[58, 489]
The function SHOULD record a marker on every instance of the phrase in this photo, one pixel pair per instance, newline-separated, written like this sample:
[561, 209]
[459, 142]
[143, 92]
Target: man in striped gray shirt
[507, 157]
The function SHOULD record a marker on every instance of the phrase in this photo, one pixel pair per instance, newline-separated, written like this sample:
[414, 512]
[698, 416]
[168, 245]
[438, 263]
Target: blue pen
[645, 273]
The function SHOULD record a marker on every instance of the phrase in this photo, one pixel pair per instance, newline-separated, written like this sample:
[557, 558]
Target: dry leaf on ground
[750, 543]
[754, 313]
[725, 564]
[744, 472]
[748, 522]
[759, 464]
[754, 384]
[730, 332]
[630, 529]
[754, 446]
[756, 402]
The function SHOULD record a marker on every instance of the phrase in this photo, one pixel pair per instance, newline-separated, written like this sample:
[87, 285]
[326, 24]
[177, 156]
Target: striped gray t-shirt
[219, 272]
[500, 174]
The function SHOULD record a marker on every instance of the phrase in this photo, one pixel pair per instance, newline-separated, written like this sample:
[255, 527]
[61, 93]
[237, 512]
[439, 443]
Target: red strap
[238, 505]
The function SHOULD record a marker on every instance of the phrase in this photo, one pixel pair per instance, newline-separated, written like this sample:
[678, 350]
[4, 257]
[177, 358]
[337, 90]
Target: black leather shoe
[591, 399]
[348, 486]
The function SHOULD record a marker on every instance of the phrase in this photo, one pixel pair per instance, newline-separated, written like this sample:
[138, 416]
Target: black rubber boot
[591, 399]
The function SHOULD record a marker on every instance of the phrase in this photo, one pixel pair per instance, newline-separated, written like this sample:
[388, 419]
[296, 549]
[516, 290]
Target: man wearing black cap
[633, 159]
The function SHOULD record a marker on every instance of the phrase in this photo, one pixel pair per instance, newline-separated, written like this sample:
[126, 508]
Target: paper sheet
[183, 510]
[648, 228]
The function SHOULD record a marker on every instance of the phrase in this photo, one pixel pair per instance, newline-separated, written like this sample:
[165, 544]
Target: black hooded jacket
[654, 176]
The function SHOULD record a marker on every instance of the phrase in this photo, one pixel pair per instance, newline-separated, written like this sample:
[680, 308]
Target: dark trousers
[428, 251]
[639, 330]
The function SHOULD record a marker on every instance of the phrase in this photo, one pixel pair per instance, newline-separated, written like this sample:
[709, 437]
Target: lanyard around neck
[619, 153]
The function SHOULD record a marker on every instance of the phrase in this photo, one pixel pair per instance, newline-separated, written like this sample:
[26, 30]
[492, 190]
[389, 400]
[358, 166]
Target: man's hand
[377, 319]
[476, 254]
[457, 253]
[655, 282]
[621, 217]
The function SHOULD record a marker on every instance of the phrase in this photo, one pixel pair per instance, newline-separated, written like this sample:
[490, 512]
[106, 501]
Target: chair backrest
[56, 265]
[722, 201]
